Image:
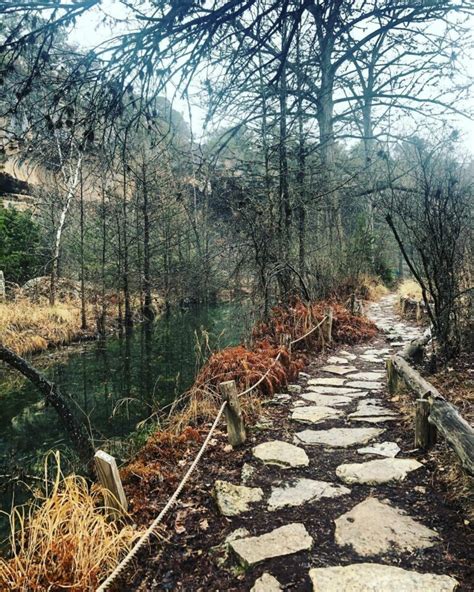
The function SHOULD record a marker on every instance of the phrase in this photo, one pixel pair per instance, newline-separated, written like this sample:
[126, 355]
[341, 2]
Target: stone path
[328, 468]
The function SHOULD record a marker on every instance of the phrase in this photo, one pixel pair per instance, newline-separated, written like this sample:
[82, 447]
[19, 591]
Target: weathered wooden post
[285, 341]
[2, 287]
[391, 376]
[418, 311]
[233, 413]
[425, 432]
[329, 320]
[107, 472]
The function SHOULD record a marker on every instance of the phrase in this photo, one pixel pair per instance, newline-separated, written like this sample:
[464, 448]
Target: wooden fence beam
[233, 413]
[107, 472]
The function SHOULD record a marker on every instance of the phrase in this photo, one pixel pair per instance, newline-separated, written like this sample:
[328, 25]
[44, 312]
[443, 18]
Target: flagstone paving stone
[315, 413]
[374, 577]
[366, 376]
[375, 472]
[326, 381]
[327, 400]
[341, 370]
[365, 385]
[266, 583]
[285, 540]
[336, 360]
[387, 449]
[337, 390]
[235, 499]
[302, 491]
[282, 454]
[373, 527]
[338, 437]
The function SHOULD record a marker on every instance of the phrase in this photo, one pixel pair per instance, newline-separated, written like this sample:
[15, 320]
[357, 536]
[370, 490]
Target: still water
[114, 385]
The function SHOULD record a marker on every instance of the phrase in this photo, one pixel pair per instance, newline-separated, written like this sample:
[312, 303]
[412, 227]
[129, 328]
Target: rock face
[302, 491]
[266, 583]
[341, 370]
[375, 472]
[373, 527]
[233, 500]
[373, 577]
[327, 400]
[387, 449]
[282, 454]
[285, 540]
[314, 414]
[338, 437]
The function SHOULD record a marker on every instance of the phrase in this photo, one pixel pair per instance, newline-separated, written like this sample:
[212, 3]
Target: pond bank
[117, 383]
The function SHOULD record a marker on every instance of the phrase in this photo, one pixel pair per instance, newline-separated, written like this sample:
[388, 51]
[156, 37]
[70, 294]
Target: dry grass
[63, 540]
[26, 327]
[409, 289]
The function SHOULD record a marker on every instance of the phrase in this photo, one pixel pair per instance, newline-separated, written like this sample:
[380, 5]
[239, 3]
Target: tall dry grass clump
[410, 289]
[27, 327]
[63, 541]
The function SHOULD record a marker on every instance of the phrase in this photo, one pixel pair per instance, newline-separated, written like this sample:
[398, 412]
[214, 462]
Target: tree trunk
[284, 225]
[51, 393]
[125, 259]
[148, 311]
[301, 171]
[83, 291]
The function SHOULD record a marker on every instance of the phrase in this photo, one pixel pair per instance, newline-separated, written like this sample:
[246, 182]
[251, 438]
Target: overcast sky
[89, 32]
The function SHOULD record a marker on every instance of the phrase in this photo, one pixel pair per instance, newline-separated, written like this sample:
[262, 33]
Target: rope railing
[230, 406]
[154, 525]
[309, 332]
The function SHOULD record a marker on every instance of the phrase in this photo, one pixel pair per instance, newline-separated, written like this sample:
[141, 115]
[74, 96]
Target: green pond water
[115, 384]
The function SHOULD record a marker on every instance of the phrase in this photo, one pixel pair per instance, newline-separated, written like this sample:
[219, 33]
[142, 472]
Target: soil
[190, 555]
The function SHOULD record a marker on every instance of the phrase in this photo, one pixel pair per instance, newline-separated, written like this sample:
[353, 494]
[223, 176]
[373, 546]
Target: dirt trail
[328, 495]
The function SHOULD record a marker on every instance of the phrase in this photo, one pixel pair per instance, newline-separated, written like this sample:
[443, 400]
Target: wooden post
[107, 472]
[392, 379]
[425, 433]
[329, 324]
[2, 286]
[418, 311]
[285, 341]
[233, 413]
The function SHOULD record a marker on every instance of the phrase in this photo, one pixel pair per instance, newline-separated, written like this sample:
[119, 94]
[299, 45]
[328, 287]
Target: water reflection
[115, 384]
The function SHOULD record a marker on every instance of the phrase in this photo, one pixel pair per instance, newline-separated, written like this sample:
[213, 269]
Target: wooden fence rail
[433, 413]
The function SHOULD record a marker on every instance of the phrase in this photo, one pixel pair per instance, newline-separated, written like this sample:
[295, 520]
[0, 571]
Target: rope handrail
[309, 332]
[151, 529]
[120, 568]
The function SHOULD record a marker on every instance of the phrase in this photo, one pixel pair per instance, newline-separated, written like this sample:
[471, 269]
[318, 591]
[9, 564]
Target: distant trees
[432, 223]
[21, 256]
[306, 104]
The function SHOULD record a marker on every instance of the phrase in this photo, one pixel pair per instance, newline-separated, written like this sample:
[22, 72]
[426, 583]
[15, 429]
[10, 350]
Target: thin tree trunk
[284, 190]
[148, 311]
[125, 261]
[301, 171]
[83, 291]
